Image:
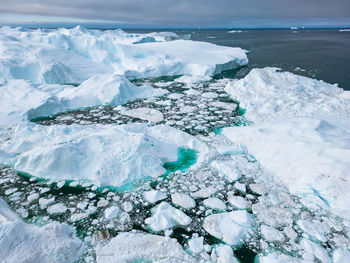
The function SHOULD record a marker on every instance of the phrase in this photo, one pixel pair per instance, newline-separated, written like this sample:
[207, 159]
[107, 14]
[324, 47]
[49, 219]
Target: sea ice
[183, 200]
[153, 196]
[25, 243]
[230, 227]
[165, 216]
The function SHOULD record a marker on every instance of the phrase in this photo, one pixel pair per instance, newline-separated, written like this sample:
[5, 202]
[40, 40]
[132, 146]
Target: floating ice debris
[154, 196]
[341, 256]
[270, 234]
[195, 245]
[223, 254]
[237, 202]
[276, 257]
[230, 227]
[228, 169]
[192, 79]
[139, 247]
[112, 212]
[183, 200]
[165, 216]
[57, 209]
[147, 114]
[214, 203]
[24, 243]
[314, 252]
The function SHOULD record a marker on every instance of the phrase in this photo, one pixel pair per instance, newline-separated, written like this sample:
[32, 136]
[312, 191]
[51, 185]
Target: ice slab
[141, 247]
[230, 227]
[25, 243]
[102, 154]
[165, 216]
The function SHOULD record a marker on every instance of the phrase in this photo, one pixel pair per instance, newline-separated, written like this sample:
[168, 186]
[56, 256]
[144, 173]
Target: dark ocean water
[317, 53]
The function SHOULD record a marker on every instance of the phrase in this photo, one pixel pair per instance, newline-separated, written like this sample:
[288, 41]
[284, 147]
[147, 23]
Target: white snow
[153, 196]
[341, 256]
[165, 216]
[230, 227]
[102, 154]
[25, 243]
[183, 200]
[141, 247]
[300, 133]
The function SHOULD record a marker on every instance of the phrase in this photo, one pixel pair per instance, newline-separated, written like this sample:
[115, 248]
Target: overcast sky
[217, 13]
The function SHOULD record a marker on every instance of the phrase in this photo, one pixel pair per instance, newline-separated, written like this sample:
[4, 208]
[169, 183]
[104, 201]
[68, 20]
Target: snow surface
[141, 247]
[300, 133]
[74, 55]
[24, 243]
[102, 154]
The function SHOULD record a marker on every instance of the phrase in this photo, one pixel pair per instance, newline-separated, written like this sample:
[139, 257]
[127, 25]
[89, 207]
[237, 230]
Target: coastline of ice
[21, 242]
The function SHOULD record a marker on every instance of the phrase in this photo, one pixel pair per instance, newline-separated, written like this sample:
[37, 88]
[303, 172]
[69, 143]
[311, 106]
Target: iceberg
[22, 100]
[102, 154]
[63, 56]
[25, 243]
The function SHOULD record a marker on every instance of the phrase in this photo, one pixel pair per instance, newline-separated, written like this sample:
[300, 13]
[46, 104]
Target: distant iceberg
[63, 56]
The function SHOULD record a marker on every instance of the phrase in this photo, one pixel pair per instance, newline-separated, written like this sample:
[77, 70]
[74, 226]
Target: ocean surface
[322, 54]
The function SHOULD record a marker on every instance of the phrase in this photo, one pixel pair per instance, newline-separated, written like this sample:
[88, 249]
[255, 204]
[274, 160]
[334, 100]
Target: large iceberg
[300, 133]
[102, 154]
[25, 243]
[74, 55]
[21, 100]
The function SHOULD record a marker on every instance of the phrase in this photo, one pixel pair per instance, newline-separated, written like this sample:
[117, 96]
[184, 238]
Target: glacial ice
[102, 154]
[74, 55]
[25, 243]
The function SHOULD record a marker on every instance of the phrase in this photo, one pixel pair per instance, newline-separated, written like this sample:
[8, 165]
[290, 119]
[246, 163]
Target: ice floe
[165, 216]
[21, 242]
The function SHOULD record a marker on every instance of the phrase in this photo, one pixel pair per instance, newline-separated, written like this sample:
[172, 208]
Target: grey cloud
[182, 12]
